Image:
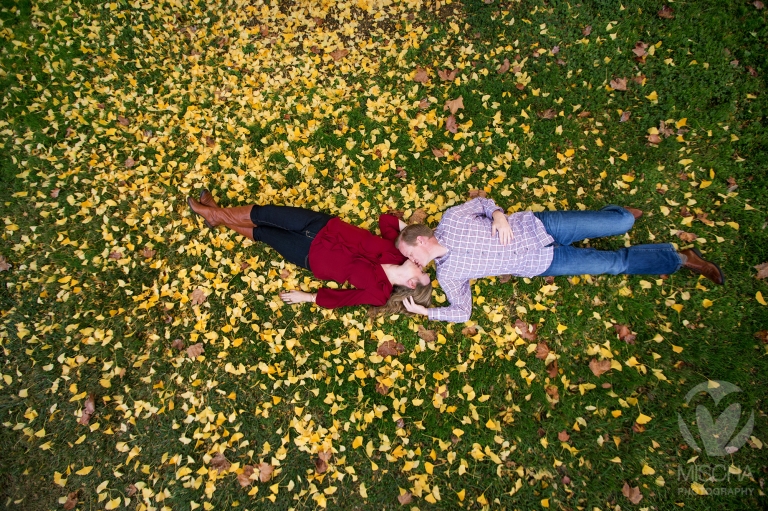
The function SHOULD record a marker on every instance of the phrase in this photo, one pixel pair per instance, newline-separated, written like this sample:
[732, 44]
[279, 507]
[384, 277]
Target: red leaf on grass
[563, 436]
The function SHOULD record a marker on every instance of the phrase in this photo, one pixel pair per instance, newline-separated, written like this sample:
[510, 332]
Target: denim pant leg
[288, 230]
[568, 227]
[652, 259]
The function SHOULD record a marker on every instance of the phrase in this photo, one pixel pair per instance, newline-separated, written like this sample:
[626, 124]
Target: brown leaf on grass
[619, 84]
[195, 350]
[526, 331]
[520, 86]
[424, 104]
[666, 13]
[702, 217]
[210, 141]
[552, 392]
[454, 105]
[552, 369]
[439, 153]
[427, 335]
[587, 30]
[382, 389]
[401, 173]
[55, 193]
[245, 477]
[285, 273]
[198, 296]
[665, 130]
[220, 463]
[418, 217]
[405, 498]
[563, 436]
[504, 67]
[547, 114]
[758, 4]
[148, 252]
[421, 75]
[400, 423]
[451, 125]
[625, 116]
[638, 428]
[178, 344]
[123, 121]
[686, 236]
[762, 271]
[89, 408]
[542, 350]
[633, 494]
[115, 255]
[598, 367]
[566, 480]
[264, 31]
[321, 463]
[339, 53]
[71, 502]
[762, 335]
[624, 333]
[639, 49]
[732, 186]
[654, 139]
[473, 194]
[131, 490]
[639, 79]
[129, 162]
[4, 265]
[505, 278]
[446, 75]
[390, 348]
[555, 50]
[469, 331]
[265, 472]
[585, 113]
[684, 212]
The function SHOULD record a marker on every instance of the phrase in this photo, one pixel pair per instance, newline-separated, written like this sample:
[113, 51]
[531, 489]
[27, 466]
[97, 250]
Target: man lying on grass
[476, 239]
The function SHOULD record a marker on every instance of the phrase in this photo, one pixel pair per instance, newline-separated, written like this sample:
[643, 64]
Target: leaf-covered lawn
[148, 363]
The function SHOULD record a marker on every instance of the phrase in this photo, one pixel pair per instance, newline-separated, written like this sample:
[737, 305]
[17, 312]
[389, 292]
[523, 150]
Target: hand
[501, 225]
[401, 225]
[297, 297]
[414, 307]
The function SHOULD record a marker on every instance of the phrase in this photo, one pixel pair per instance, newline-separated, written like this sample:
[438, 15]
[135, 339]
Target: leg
[568, 227]
[656, 259]
[294, 247]
[297, 220]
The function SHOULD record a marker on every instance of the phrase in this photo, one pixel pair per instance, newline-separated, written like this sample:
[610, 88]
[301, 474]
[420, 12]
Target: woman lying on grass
[332, 249]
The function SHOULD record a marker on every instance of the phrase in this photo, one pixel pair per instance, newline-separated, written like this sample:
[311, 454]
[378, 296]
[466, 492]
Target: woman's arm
[297, 297]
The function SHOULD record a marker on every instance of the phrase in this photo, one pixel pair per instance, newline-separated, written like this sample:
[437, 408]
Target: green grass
[211, 101]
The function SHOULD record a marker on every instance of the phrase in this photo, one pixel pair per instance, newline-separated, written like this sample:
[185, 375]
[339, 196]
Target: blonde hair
[409, 234]
[421, 295]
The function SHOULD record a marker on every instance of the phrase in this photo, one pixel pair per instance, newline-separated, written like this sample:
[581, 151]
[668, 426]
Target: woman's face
[414, 275]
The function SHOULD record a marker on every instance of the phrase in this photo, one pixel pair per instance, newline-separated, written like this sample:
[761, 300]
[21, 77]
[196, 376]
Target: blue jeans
[288, 230]
[568, 227]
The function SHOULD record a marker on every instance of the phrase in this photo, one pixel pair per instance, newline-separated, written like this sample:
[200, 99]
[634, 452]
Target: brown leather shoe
[697, 264]
[637, 213]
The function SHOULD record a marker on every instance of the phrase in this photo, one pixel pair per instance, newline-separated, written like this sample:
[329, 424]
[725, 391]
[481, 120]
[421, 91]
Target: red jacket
[345, 253]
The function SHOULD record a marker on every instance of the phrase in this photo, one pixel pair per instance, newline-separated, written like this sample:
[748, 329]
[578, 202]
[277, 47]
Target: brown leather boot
[637, 213]
[206, 199]
[697, 264]
[230, 217]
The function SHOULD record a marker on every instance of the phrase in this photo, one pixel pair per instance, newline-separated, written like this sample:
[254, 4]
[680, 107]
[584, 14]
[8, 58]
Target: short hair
[410, 233]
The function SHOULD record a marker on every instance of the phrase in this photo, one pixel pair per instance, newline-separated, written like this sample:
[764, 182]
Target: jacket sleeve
[459, 294]
[389, 226]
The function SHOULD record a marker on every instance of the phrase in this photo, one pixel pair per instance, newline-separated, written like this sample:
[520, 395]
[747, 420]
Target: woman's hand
[297, 297]
[401, 225]
[501, 225]
[414, 307]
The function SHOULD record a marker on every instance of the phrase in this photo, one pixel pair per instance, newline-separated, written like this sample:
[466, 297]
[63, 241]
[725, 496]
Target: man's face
[416, 253]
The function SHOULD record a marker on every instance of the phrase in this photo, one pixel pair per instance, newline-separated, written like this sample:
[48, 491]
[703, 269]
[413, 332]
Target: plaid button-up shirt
[465, 231]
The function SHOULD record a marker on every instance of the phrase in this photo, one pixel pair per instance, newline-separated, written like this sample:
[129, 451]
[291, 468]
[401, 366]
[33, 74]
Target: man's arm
[459, 295]
[489, 209]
